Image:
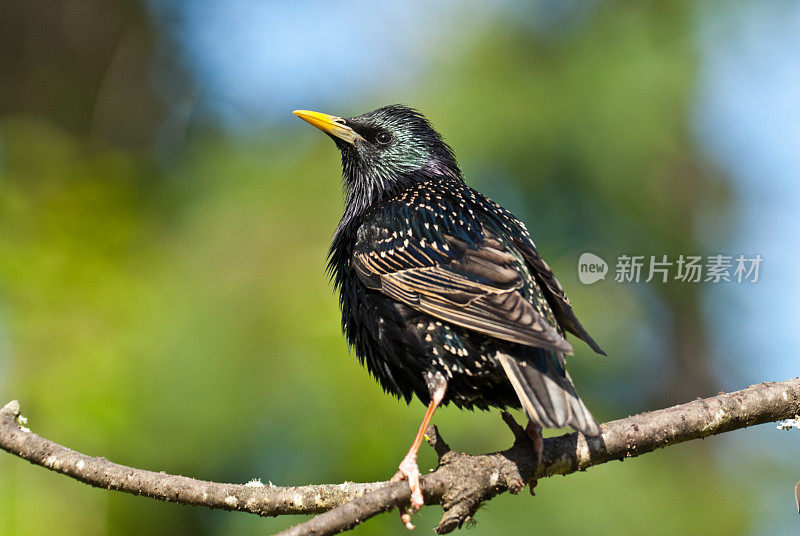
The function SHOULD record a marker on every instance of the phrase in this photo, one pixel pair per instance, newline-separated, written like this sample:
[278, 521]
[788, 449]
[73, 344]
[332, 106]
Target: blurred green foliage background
[163, 301]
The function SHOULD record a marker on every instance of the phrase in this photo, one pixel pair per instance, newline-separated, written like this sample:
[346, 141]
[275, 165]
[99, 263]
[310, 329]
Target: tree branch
[460, 483]
[264, 500]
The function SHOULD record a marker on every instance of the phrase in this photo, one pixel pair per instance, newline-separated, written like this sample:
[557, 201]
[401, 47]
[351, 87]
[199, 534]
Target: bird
[443, 293]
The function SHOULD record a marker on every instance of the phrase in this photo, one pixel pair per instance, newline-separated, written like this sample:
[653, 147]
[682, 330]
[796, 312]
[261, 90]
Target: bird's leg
[534, 431]
[408, 467]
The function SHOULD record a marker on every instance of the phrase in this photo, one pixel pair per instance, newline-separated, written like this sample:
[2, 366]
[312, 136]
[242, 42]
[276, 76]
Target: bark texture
[460, 483]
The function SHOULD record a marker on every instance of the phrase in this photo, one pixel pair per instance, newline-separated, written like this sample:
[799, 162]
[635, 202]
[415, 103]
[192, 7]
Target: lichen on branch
[460, 483]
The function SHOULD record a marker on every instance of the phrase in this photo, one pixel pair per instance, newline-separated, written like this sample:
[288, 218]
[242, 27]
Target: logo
[663, 268]
[591, 268]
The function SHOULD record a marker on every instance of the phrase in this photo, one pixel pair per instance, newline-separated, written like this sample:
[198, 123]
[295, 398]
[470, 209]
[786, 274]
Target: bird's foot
[410, 470]
[534, 431]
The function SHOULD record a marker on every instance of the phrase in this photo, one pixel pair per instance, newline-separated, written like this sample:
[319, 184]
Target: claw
[408, 467]
[409, 470]
[534, 431]
[405, 518]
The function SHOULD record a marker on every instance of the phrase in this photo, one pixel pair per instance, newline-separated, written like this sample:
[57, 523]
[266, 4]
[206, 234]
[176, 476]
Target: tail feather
[547, 394]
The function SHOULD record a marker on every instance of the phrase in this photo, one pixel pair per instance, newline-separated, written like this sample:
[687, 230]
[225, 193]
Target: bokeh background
[164, 222]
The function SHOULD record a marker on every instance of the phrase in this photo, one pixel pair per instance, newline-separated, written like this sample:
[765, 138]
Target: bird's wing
[554, 293]
[478, 281]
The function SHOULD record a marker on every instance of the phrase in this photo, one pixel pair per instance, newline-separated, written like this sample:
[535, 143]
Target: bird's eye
[383, 138]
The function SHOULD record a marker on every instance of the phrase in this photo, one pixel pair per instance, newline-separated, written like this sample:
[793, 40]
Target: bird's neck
[365, 189]
[365, 192]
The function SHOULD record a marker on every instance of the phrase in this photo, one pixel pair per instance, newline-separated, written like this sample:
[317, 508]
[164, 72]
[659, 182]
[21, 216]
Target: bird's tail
[546, 391]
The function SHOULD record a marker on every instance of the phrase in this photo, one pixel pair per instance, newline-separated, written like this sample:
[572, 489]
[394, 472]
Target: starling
[443, 293]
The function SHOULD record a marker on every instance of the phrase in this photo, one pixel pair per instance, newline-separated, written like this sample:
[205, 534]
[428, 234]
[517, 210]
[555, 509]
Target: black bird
[442, 291]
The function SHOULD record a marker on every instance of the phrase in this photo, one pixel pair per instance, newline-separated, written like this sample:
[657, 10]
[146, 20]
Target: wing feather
[555, 294]
[481, 286]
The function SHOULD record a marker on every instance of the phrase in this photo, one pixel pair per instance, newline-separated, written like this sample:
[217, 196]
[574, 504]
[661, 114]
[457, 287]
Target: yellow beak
[330, 124]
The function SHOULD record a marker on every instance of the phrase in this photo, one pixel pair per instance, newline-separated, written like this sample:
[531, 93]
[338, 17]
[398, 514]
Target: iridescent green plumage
[443, 293]
[435, 278]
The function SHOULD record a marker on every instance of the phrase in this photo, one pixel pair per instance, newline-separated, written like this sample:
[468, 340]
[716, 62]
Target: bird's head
[385, 151]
